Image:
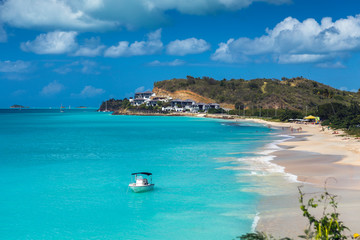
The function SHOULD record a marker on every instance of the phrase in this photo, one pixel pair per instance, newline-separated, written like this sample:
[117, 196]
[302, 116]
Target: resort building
[214, 105]
[141, 98]
[144, 95]
[138, 101]
[201, 106]
[152, 103]
[161, 99]
[182, 103]
[177, 105]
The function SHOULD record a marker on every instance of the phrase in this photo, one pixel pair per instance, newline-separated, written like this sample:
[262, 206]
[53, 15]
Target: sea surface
[66, 175]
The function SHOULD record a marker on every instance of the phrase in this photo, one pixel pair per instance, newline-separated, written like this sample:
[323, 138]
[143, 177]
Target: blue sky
[80, 52]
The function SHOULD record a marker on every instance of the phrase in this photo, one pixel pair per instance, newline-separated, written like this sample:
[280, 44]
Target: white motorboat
[142, 182]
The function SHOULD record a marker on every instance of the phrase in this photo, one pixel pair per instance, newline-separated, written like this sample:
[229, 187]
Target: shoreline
[313, 155]
[174, 114]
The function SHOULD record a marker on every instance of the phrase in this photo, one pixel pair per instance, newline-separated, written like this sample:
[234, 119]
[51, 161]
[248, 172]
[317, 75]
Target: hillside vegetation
[295, 93]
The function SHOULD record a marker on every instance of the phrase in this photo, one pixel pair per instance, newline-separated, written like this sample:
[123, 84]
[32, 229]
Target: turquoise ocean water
[65, 176]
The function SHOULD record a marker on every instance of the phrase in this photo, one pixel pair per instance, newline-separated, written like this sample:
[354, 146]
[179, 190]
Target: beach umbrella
[310, 117]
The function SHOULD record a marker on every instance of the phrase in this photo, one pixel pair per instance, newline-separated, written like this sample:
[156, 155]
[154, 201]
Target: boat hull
[140, 189]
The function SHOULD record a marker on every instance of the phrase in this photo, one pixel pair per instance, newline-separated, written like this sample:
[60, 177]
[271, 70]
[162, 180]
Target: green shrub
[325, 227]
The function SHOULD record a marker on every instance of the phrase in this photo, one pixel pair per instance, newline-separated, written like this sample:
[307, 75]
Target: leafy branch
[327, 226]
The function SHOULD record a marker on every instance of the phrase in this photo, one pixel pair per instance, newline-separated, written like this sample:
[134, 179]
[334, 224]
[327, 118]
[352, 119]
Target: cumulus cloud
[57, 42]
[176, 62]
[187, 46]
[104, 14]
[52, 88]
[89, 91]
[301, 58]
[14, 67]
[53, 14]
[91, 48]
[224, 54]
[152, 45]
[292, 41]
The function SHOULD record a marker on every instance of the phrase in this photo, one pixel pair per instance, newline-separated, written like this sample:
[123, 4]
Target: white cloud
[14, 67]
[91, 48]
[52, 88]
[140, 89]
[52, 14]
[292, 41]
[176, 62]
[200, 7]
[152, 45]
[224, 54]
[337, 64]
[52, 43]
[104, 14]
[187, 46]
[3, 35]
[301, 58]
[89, 91]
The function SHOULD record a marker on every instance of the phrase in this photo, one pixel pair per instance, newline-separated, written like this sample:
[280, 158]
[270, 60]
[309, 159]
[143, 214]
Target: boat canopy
[144, 173]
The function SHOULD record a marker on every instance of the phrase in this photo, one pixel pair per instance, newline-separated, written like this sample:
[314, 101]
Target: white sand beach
[314, 155]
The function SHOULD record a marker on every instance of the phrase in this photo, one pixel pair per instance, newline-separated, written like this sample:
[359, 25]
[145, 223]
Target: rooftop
[147, 92]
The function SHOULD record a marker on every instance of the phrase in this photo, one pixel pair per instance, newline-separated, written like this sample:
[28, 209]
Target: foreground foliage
[260, 236]
[327, 226]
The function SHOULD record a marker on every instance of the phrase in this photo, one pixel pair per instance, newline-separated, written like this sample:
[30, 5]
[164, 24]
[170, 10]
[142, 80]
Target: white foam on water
[255, 222]
[261, 168]
[262, 164]
[274, 146]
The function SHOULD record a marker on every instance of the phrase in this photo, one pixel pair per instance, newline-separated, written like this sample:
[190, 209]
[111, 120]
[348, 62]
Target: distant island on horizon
[18, 106]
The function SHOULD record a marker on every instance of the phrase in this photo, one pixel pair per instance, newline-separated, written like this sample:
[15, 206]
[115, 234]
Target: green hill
[295, 93]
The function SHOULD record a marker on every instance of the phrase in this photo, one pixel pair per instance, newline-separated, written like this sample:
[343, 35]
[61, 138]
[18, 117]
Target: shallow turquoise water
[65, 176]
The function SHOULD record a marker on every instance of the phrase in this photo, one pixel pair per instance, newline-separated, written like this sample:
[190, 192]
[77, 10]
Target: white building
[150, 99]
[141, 98]
[144, 95]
